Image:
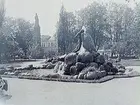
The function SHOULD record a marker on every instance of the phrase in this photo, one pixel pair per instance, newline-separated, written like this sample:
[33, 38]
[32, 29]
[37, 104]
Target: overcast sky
[48, 10]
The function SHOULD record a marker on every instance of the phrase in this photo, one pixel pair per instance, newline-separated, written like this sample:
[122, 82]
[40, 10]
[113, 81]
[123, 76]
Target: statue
[85, 42]
[85, 62]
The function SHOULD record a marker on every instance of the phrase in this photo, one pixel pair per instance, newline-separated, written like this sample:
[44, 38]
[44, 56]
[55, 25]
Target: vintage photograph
[69, 52]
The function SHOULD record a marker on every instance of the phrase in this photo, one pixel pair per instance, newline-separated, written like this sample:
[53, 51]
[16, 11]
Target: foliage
[24, 35]
[94, 18]
[65, 31]
[112, 26]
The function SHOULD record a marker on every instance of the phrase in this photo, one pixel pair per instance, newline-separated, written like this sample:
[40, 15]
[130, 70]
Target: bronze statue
[84, 40]
[79, 35]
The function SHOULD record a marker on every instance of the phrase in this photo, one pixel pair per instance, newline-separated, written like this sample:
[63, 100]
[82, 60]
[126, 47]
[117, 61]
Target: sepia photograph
[69, 52]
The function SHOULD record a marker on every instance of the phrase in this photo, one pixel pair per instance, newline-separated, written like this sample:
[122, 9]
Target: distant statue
[84, 41]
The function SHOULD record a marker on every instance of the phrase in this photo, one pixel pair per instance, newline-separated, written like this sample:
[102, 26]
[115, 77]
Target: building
[37, 35]
[49, 45]
[46, 42]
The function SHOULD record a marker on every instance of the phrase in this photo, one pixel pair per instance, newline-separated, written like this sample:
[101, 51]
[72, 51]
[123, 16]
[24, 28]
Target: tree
[71, 26]
[121, 19]
[2, 12]
[94, 18]
[24, 35]
[2, 16]
[65, 31]
[135, 37]
[62, 31]
[12, 48]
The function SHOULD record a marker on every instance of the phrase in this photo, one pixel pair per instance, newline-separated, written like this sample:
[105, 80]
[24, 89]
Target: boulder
[85, 57]
[10, 68]
[48, 66]
[2, 72]
[101, 68]
[30, 67]
[108, 66]
[92, 75]
[101, 74]
[88, 69]
[95, 75]
[79, 66]
[93, 64]
[70, 59]
[81, 76]
[66, 69]
[121, 70]
[100, 60]
[73, 70]
[95, 55]
[121, 67]
[114, 70]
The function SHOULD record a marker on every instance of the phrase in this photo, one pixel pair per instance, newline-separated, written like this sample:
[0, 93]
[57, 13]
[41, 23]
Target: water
[23, 64]
[114, 92]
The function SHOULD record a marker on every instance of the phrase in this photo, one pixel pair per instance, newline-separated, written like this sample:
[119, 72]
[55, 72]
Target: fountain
[85, 62]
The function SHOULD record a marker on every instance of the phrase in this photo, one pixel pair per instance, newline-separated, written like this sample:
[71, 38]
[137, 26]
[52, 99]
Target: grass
[130, 62]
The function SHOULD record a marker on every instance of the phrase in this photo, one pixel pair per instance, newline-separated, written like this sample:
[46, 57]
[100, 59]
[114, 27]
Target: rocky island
[84, 64]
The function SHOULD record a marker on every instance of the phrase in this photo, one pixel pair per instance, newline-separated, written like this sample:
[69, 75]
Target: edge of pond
[102, 80]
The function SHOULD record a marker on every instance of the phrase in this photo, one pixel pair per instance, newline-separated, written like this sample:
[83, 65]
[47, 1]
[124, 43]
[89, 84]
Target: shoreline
[102, 80]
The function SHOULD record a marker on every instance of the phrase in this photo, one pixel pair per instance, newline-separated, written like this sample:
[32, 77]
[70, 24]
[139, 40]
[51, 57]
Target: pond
[115, 92]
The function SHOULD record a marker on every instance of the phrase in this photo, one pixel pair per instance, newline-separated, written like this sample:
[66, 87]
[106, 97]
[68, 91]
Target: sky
[47, 10]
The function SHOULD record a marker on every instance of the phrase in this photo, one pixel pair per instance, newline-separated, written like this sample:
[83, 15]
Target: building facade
[45, 42]
[49, 45]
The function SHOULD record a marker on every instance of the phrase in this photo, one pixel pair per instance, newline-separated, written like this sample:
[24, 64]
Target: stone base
[102, 80]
